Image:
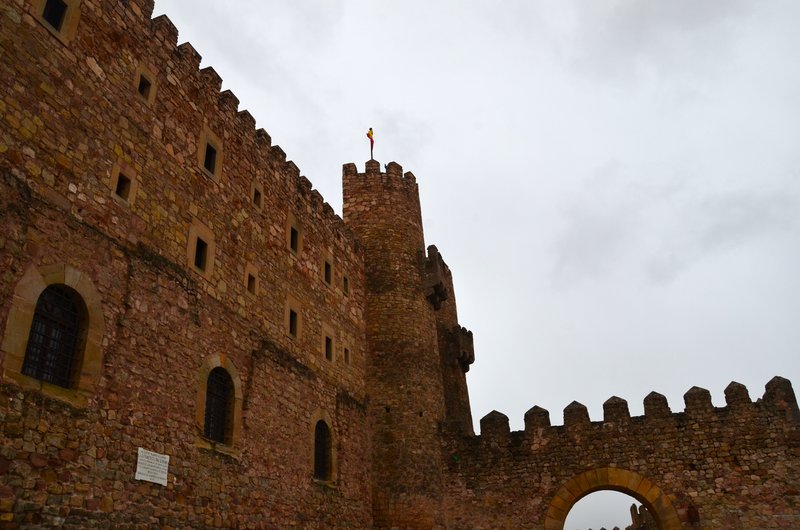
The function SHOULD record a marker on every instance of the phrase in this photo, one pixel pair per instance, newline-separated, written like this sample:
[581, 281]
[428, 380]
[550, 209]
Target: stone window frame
[251, 270]
[122, 167]
[207, 137]
[317, 416]
[233, 441]
[347, 351]
[219, 409]
[292, 304]
[143, 71]
[293, 222]
[256, 186]
[327, 259]
[18, 325]
[328, 333]
[69, 25]
[199, 230]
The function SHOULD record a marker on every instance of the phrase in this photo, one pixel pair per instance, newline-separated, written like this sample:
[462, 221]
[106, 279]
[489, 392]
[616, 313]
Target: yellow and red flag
[371, 137]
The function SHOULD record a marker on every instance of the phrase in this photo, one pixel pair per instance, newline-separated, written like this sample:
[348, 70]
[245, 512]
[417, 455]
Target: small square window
[251, 284]
[328, 272]
[210, 159]
[123, 188]
[54, 13]
[144, 87]
[200, 254]
[329, 348]
[293, 323]
[345, 285]
[347, 356]
[257, 197]
[294, 239]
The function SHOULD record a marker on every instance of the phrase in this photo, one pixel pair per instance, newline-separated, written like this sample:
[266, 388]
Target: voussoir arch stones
[612, 478]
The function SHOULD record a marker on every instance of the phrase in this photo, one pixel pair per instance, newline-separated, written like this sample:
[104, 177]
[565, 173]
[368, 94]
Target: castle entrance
[616, 479]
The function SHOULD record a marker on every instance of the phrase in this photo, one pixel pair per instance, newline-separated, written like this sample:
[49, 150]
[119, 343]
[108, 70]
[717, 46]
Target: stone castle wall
[72, 120]
[106, 187]
[734, 467]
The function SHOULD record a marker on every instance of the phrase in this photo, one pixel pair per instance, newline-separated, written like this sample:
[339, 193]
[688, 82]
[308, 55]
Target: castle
[191, 338]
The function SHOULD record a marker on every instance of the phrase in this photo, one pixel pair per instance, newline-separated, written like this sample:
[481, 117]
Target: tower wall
[456, 350]
[404, 381]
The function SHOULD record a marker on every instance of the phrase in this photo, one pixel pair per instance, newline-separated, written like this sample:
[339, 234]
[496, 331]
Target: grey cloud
[655, 38]
[719, 223]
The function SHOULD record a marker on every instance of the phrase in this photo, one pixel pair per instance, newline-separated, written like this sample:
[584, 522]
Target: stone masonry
[189, 246]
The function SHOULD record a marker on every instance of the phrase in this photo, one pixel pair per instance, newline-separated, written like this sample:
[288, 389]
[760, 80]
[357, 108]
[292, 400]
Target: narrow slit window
[123, 188]
[200, 254]
[346, 285]
[251, 284]
[346, 356]
[292, 323]
[54, 13]
[322, 451]
[257, 197]
[294, 239]
[328, 272]
[219, 406]
[329, 348]
[210, 160]
[144, 87]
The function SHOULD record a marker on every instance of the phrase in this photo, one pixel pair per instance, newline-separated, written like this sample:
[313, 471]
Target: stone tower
[404, 383]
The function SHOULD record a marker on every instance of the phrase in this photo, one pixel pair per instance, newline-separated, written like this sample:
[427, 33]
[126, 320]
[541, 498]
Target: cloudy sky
[615, 184]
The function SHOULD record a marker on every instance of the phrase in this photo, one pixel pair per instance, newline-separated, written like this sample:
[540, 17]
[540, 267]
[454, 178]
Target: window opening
[257, 197]
[292, 323]
[329, 348]
[322, 451]
[294, 238]
[210, 160]
[123, 189]
[54, 337]
[200, 254]
[251, 283]
[346, 356]
[144, 86]
[328, 272]
[219, 398]
[54, 13]
[346, 285]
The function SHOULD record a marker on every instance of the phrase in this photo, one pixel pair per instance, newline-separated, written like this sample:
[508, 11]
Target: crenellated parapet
[162, 142]
[434, 279]
[703, 467]
[778, 404]
[132, 135]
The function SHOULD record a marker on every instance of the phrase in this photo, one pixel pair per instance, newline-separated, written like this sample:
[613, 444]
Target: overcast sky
[614, 184]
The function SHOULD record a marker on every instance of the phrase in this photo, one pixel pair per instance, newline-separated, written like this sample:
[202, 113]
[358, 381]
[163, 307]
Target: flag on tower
[371, 142]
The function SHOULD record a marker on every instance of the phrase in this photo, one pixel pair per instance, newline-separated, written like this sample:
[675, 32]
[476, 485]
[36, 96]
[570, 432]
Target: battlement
[392, 178]
[150, 47]
[203, 86]
[778, 403]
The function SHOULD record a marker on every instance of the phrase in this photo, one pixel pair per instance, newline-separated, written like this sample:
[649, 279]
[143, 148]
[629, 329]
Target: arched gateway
[612, 478]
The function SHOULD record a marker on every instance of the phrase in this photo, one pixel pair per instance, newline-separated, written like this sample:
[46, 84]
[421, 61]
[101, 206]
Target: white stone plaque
[152, 467]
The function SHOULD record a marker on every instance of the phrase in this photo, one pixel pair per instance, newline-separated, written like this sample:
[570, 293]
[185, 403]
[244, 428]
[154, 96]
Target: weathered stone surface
[74, 126]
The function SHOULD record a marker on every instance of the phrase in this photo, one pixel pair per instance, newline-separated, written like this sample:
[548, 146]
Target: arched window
[322, 451]
[56, 339]
[219, 406]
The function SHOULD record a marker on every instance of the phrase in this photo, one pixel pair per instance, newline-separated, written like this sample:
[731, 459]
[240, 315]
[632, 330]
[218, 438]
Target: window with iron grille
[219, 406]
[55, 336]
[322, 451]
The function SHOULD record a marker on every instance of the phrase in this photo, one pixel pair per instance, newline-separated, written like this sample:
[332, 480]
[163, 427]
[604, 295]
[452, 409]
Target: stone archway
[612, 478]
